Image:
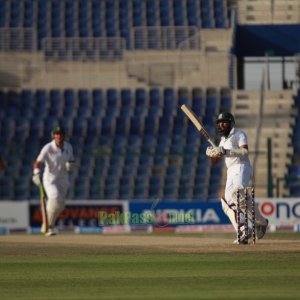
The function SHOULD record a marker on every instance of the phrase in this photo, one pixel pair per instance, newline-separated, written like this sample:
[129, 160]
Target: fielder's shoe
[261, 230]
[50, 232]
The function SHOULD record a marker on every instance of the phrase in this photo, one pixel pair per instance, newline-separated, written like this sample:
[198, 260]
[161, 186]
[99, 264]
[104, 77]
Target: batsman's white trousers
[56, 190]
[238, 176]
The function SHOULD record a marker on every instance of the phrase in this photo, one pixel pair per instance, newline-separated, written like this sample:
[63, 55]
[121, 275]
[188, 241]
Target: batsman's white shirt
[239, 170]
[55, 177]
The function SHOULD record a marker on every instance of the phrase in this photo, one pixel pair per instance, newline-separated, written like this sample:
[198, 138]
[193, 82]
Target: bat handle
[212, 143]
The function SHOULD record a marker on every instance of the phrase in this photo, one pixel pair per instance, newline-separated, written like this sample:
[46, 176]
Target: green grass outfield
[149, 267]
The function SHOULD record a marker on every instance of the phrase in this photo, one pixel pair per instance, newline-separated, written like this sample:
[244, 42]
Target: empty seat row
[129, 154]
[109, 18]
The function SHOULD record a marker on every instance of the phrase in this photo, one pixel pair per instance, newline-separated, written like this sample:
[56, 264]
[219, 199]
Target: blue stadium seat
[191, 13]
[185, 191]
[164, 126]
[131, 158]
[26, 104]
[169, 99]
[56, 102]
[28, 13]
[6, 188]
[225, 99]
[197, 101]
[141, 102]
[69, 18]
[155, 185]
[110, 20]
[212, 103]
[170, 191]
[183, 97]
[133, 143]
[111, 188]
[98, 103]
[107, 126]
[70, 103]
[93, 127]
[126, 103]
[148, 143]
[206, 14]
[122, 125]
[49, 123]
[56, 18]
[154, 110]
[83, 17]
[79, 126]
[112, 107]
[151, 10]
[164, 9]
[136, 125]
[140, 187]
[97, 19]
[15, 13]
[137, 13]
[81, 188]
[95, 188]
[3, 12]
[150, 125]
[84, 103]
[178, 13]
[219, 14]
[125, 187]
[178, 126]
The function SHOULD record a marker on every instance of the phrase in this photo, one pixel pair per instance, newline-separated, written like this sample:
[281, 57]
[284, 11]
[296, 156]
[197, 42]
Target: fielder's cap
[58, 129]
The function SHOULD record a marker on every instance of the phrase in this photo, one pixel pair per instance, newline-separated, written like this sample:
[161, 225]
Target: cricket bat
[195, 120]
[43, 208]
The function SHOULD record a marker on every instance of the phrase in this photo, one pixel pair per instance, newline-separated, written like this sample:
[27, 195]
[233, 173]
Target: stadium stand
[137, 153]
[114, 74]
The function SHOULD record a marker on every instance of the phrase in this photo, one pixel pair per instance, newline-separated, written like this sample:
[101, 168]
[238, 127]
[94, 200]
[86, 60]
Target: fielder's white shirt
[235, 139]
[55, 159]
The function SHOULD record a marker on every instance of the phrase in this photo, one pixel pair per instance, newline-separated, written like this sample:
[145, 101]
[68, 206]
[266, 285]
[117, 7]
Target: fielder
[234, 147]
[58, 158]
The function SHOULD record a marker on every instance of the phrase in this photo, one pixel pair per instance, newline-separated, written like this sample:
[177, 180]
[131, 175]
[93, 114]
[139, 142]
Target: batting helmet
[225, 116]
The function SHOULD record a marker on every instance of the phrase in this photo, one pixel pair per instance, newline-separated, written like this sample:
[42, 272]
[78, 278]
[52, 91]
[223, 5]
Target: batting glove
[209, 151]
[70, 165]
[36, 178]
[215, 151]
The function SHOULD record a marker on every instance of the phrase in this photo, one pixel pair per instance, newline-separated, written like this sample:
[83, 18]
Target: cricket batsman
[58, 159]
[233, 147]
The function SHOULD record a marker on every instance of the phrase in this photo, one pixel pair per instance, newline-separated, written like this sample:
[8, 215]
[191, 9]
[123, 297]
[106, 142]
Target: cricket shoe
[43, 228]
[261, 230]
[243, 241]
[243, 238]
[50, 232]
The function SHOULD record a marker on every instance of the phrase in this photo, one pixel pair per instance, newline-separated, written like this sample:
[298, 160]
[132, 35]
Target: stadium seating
[293, 177]
[129, 144]
[106, 18]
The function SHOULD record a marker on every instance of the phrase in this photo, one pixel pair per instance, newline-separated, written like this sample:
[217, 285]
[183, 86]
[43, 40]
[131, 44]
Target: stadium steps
[277, 122]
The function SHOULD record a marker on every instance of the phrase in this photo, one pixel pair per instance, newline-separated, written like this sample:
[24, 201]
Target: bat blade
[194, 119]
[43, 209]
